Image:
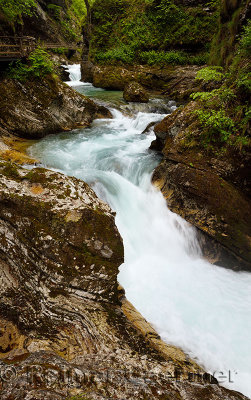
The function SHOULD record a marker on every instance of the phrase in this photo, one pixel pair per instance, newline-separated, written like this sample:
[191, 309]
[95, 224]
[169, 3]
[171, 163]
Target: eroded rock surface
[39, 107]
[65, 325]
[136, 93]
[208, 190]
[178, 82]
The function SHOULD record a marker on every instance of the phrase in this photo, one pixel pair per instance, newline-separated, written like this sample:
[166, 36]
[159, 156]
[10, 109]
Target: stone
[205, 189]
[134, 92]
[39, 107]
[178, 82]
[66, 328]
[149, 128]
[64, 74]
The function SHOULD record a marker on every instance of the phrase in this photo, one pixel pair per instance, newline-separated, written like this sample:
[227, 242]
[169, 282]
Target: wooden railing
[60, 46]
[13, 47]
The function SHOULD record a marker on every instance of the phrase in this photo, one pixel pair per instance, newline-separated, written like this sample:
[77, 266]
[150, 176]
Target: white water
[75, 75]
[202, 308]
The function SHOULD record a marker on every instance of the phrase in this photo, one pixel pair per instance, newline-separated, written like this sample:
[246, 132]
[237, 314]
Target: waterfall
[75, 75]
[202, 308]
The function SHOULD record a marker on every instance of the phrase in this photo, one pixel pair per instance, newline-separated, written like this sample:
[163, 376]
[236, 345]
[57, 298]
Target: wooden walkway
[13, 48]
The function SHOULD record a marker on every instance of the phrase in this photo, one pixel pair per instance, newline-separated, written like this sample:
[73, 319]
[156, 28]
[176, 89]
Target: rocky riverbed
[66, 327]
[62, 311]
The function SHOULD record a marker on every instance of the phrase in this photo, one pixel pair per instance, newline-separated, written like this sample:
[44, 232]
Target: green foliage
[59, 50]
[78, 9]
[217, 125]
[14, 10]
[124, 54]
[39, 65]
[68, 31]
[210, 74]
[224, 43]
[128, 55]
[245, 42]
[224, 115]
[171, 57]
[69, 18]
[151, 31]
[244, 81]
[104, 18]
[55, 11]
[203, 96]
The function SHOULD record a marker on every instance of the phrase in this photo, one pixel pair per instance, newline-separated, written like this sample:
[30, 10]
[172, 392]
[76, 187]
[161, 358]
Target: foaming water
[201, 308]
[75, 75]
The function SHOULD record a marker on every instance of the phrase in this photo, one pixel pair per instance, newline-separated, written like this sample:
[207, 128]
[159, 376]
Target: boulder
[63, 73]
[149, 128]
[87, 71]
[178, 82]
[134, 92]
[38, 107]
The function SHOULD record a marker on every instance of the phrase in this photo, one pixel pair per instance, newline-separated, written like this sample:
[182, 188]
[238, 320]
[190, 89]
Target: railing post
[21, 46]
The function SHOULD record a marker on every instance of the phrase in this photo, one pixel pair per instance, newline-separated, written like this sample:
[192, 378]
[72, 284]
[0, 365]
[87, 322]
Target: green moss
[14, 10]
[10, 170]
[37, 175]
[153, 31]
[223, 46]
[38, 65]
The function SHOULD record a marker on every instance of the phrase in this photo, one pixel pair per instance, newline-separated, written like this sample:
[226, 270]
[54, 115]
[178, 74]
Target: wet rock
[64, 74]
[65, 325]
[205, 189]
[40, 107]
[134, 92]
[44, 375]
[178, 82]
[87, 71]
[149, 127]
[67, 244]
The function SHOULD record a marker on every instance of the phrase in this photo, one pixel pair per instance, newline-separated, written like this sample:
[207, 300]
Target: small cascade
[202, 308]
[75, 75]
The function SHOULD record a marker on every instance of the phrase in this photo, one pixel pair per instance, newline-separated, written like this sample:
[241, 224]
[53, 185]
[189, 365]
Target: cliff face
[233, 16]
[152, 32]
[206, 146]
[206, 189]
[65, 326]
[37, 107]
[52, 21]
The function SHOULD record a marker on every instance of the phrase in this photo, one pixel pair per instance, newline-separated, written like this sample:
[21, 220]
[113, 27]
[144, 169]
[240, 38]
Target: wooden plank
[9, 53]
[9, 45]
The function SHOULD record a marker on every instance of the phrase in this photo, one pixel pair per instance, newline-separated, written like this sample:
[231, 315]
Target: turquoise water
[203, 309]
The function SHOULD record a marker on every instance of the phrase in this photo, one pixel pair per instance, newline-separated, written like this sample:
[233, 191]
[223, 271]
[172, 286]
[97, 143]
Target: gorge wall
[66, 328]
[206, 147]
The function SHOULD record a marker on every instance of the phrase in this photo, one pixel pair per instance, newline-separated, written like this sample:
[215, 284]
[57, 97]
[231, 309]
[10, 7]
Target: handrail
[19, 46]
[25, 45]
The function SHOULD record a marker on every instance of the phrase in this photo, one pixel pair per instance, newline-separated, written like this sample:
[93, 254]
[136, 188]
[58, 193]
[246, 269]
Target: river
[202, 308]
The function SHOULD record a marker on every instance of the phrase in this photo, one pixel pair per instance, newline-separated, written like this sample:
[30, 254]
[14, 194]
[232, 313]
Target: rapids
[202, 308]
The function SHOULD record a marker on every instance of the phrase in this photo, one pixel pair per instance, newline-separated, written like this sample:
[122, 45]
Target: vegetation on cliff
[206, 145]
[152, 31]
[14, 10]
[38, 65]
[224, 112]
[44, 19]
